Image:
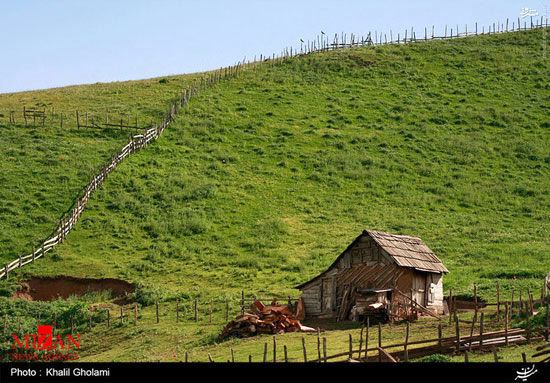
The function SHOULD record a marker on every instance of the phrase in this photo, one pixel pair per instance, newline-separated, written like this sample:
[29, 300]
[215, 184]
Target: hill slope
[266, 179]
[43, 169]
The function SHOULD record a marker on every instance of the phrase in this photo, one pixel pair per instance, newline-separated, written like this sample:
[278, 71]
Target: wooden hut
[379, 273]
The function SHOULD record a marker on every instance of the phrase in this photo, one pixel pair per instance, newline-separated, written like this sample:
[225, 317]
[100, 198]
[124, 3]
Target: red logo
[45, 340]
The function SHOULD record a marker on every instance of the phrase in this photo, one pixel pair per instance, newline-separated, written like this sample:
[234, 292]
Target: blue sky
[53, 43]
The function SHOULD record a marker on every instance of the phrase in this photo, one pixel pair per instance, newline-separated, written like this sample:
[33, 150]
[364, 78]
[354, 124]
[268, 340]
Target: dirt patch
[51, 288]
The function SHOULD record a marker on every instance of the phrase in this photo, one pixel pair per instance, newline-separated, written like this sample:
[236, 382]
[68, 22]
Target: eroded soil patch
[51, 288]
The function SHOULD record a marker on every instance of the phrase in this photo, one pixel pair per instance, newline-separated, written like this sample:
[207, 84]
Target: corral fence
[153, 131]
[322, 43]
[468, 334]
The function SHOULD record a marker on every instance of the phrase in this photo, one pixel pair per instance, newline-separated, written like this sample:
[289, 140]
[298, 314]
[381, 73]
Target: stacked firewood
[261, 319]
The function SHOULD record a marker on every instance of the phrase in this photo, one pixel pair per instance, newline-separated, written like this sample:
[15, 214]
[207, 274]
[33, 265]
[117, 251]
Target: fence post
[324, 349]
[265, 352]
[528, 328]
[242, 302]
[286, 355]
[440, 336]
[304, 348]
[481, 331]
[380, 340]
[367, 339]
[405, 347]
[547, 323]
[524, 357]
[108, 318]
[121, 315]
[211, 309]
[495, 354]
[457, 334]
[318, 345]
[361, 341]
[226, 310]
[466, 360]
[474, 319]
[232, 356]
[498, 301]
[350, 353]
[274, 349]
[196, 311]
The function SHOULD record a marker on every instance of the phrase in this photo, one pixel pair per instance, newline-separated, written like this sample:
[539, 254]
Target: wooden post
[474, 319]
[61, 120]
[157, 307]
[265, 352]
[274, 349]
[367, 338]
[304, 348]
[242, 302]
[457, 334]
[547, 322]
[495, 354]
[527, 318]
[405, 347]
[380, 340]
[121, 315]
[506, 310]
[232, 356]
[211, 309]
[520, 302]
[196, 311]
[7, 271]
[524, 357]
[440, 336]
[77, 121]
[481, 331]
[249, 358]
[531, 308]
[318, 345]
[475, 300]
[450, 304]
[324, 349]
[108, 318]
[498, 301]
[350, 352]
[186, 356]
[210, 358]
[361, 342]
[226, 310]
[286, 355]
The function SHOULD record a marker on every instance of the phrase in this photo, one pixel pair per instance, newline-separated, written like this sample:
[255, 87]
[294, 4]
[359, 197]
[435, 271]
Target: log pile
[261, 319]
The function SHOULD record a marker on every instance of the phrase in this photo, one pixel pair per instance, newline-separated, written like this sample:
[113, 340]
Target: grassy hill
[264, 180]
[43, 169]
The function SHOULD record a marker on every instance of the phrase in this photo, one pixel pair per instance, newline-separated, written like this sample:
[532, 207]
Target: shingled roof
[405, 250]
[408, 251]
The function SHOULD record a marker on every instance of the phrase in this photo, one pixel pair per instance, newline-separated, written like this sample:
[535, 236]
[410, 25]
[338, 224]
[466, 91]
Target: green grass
[43, 169]
[264, 180]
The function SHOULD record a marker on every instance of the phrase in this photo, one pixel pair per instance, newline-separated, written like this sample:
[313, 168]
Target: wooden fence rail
[140, 141]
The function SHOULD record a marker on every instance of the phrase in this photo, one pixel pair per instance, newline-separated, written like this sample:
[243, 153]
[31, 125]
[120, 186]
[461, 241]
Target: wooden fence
[321, 43]
[139, 141]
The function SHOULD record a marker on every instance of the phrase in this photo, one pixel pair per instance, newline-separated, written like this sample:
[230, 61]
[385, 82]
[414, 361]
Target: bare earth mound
[51, 288]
